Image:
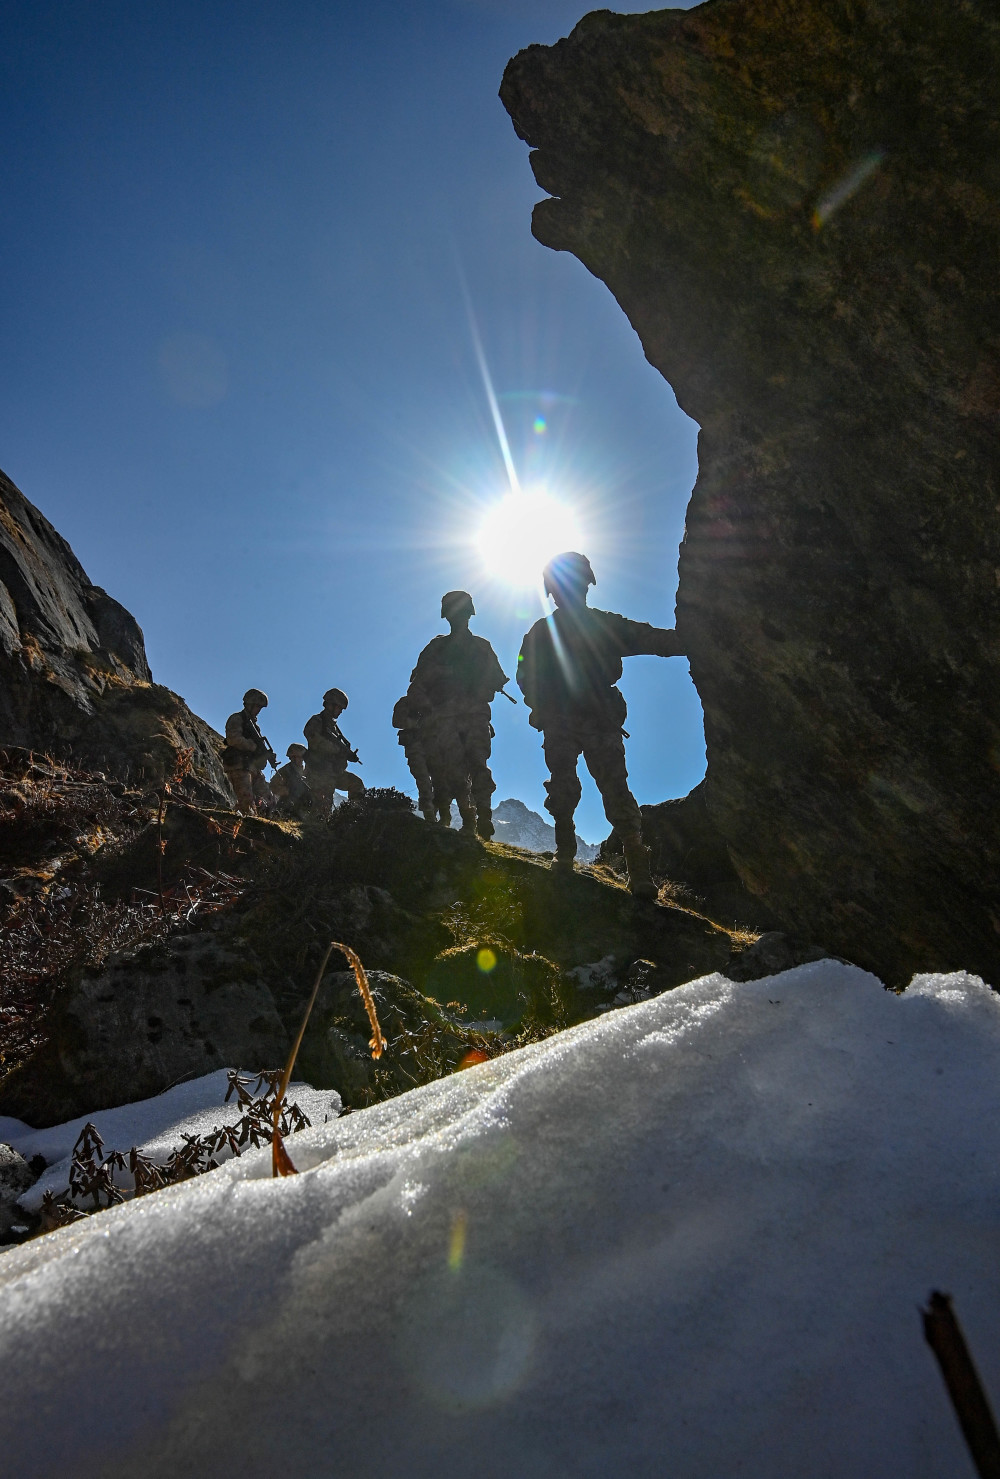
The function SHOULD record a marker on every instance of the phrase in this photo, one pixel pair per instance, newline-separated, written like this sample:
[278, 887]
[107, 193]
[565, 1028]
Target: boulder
[171, 1011]
[686, 849]
[336, 1048]
[74, 679]
[15, 1178]
[797, 206]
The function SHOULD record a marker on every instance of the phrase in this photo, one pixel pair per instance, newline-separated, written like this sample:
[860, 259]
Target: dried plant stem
[159, 846]
[281, 1161]
[972, 1408]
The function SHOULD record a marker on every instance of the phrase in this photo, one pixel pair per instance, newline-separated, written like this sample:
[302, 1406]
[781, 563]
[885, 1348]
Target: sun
[521, 532]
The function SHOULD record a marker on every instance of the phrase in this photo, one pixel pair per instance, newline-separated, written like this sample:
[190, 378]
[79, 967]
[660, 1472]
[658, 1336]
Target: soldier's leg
[439, 788]
[481, 785]
[242, 785]
[561, 747]
[451, 780]
[417, 761]
[321, 784]
[604, 752]
[261, 793]
[353, 785]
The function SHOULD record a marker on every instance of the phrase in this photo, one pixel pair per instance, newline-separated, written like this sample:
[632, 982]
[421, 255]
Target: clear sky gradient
[241, 243]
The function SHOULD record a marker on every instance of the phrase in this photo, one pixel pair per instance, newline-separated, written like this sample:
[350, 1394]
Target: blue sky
[241, 244]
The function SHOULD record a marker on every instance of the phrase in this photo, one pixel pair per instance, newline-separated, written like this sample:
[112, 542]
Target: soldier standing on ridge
[567, 670]
[289, 786]
[246, 754]
[329, 754]
[407, 717]
[459, 675]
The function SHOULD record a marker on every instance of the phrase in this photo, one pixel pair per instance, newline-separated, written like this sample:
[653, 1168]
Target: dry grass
[281, 1164]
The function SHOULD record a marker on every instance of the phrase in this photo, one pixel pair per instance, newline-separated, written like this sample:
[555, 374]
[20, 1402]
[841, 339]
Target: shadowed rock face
[74, 679]
[798, 206]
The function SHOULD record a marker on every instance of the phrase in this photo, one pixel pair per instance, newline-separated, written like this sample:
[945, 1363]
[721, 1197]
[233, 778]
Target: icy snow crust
[686, 1240]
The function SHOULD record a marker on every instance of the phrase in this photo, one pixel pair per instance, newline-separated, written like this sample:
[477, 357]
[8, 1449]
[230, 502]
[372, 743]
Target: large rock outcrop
[798, 208]
[74, 680]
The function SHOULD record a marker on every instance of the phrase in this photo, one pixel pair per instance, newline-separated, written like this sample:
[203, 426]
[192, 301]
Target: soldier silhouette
[458, 677]
[568, 669]
[408, 717]
[246, 753]
[329, 754]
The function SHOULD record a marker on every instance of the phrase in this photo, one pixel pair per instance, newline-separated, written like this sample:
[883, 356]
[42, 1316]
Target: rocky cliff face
[74, 679]
[798, 207]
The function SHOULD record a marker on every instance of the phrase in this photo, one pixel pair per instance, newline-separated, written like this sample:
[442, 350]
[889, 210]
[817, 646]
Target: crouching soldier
[246, 754]
[568, 668]
[289, 786]
[329, 754]
[460, 676]
[407, 717]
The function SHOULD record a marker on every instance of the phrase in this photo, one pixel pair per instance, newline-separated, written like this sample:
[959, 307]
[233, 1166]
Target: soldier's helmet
[295, 751]
[255, 696]
[567, 571]
[456, 604]
[335, 696]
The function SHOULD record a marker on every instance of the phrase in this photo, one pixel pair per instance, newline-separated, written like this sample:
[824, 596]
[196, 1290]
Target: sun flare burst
[522, 531]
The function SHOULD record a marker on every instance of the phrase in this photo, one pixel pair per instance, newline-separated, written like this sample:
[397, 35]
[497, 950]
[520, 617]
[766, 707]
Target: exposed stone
[74, 680]
[687, 850]
[15, 1178]
[797, 206]
[336, 1052]
[169, 1012]
[770, 954]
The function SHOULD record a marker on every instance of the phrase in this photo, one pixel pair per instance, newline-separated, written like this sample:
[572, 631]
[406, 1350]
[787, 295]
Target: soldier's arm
[525, 675]
[491, 676]
[639, 639]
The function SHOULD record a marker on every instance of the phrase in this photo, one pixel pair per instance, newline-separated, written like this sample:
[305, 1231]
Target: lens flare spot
[539, 426]
[848, 185]
[456, 1243]
[486, 960]
[472, 1057]
[522, 531]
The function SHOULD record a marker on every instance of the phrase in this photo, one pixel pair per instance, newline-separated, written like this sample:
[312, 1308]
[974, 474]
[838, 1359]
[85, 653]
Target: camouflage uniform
[567, 668]
[289, 787]
[243, 760]
[460, 675]
[327, 761]
[408, 717]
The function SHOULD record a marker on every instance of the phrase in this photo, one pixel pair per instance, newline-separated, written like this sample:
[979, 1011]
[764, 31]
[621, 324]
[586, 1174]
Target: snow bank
[687, 1240]
[156, 1125]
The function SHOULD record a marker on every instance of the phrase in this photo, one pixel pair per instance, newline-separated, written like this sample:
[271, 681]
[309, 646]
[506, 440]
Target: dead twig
[972, 1408]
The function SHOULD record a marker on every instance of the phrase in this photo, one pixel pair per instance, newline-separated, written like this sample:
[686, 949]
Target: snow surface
[156, 1125]
[688, 1241]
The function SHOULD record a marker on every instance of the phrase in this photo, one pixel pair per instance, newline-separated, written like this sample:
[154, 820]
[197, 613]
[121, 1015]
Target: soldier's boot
[565, 846]
[427, 809]
[484, 823]
[640, 884]
[468, 815]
